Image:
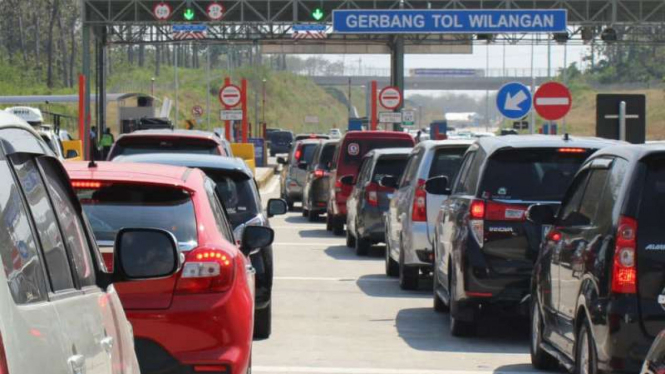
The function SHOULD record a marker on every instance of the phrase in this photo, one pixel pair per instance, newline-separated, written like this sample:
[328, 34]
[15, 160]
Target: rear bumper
[417, 248]
[294, 189]
[208, 329]
[318, 194]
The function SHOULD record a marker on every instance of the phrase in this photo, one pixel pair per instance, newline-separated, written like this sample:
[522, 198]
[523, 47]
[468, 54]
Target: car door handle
[77, 363]
[107, 343]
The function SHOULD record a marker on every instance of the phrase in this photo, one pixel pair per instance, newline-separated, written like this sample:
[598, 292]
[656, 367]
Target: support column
[85, 56]
[397, 71]
[100, 61]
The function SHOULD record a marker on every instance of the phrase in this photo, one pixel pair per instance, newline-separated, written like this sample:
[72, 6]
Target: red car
[169, 141]
[201, 318]
[348, 155]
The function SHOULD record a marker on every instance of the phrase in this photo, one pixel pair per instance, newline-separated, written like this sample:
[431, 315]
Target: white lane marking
[547, 101]
[311, 244]
[300, 227]
[270, 189]
[325, 279]
[333, 370]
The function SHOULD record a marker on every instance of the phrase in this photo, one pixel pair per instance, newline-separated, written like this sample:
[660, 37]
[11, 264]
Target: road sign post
[215, 11]
[162, 11]
[615, 120]
[243, 99]
[197, 111]
[514, 100]
[552, 101]
[227, 123]
[373, 98]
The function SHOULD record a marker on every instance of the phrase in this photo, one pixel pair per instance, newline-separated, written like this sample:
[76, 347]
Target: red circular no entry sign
[229, 95]
[390, 97]
[552, 101]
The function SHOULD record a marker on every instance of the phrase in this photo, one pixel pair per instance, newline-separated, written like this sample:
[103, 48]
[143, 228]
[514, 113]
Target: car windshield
[238, 194]
[447, 162]
[118, 205]
[354, 150]
[530, 174]
[281, 137]
[393, 166]
[143, 146]
[326, 157]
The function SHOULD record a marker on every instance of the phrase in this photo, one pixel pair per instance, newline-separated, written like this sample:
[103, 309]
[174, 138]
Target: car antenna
[92, 164]
[566, 137]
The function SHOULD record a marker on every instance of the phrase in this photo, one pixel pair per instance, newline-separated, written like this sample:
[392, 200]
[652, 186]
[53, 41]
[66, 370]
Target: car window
[593, 195]
[611, 194]
[143, 145]
[112, 206]
[70, 222]
[18, 248]
[461, 184]
[393, 166]
[652, 203]
[326, 157]
[237, 192]
[573, 198]
[364, 171]
[446, 162]
[411, 168]
[53, 246]
[218, 212]
[308, 153]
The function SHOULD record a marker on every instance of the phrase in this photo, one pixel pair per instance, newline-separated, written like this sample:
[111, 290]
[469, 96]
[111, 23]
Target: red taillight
[477, 209]
[298, 154]
[210, 369]
[504, 212]
[372, 194]
[419, 213]
[86, 185]
[4, 367]
[572, 150]
[338, 186]
[206, 271]
[554, 236]
[624, 270]
[318, 173]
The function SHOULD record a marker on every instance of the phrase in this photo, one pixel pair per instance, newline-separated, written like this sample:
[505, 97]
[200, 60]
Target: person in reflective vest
[106, 142]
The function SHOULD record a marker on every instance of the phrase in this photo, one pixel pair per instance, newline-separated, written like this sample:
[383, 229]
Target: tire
[289, 204]
[350, 240]
[586, 359]
[263, 322]
[312, 216]
[305, 212]
[458, 328]
[540, 359]
[362, 246]
[408, 276]
[329, 225]
[392, 267]
[439, 305]
[338, 226]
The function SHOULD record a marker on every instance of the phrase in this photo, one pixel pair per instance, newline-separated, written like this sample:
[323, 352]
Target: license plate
[389, 195]
[661, 299]
[546, 230]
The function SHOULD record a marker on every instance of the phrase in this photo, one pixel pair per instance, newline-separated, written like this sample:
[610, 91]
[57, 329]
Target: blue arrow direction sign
[189, 28]
[455, 21]
[514, 100]
[309, 27]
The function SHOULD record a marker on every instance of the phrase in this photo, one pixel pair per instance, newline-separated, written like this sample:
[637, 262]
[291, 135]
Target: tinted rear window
[281, 136]
[118, 205]
[353, 150]
[447, 162]
[389, 166]
[307, 152]
[143, 146]
[326, 157]
[530, 174]
[653, 197]
[237, 194]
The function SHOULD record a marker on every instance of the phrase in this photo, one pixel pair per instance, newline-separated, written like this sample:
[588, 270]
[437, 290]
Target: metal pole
[622, 121]
[208, 85]
[549, 56]
[85, 137]
[263, 106]
[487, 92]
[348, 103]
[532, 124]
[565, 79]
[175, 61]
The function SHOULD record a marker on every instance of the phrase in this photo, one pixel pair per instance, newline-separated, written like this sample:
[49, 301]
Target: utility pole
[532, 124]
[208, 85]
[175, 62]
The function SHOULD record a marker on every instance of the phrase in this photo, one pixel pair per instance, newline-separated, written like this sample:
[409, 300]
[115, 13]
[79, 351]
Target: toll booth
[357, 124]
[438, 130]
[137, 111]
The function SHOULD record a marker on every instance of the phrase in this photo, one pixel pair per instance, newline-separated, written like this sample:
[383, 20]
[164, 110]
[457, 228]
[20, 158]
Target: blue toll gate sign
[443, 21]
[514, 100]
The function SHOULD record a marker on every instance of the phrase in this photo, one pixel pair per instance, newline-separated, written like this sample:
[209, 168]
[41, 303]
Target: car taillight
[554, 236]
[572, 150]
[504, 212]
[319, 173]
[338, 186]
[624, 271]
[477, 221]
[86, 185]
[206, 271]
[419, 213]
[371, 194]
[298, 154]
[477, 209]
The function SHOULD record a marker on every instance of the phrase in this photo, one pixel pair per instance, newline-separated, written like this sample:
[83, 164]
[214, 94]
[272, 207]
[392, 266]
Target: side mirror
[145, 254]
[302, 165]
[281, 160]
[540, 214]
[347, 180]
[389, 181]
[276, 207]
[254, 238]
[437, 185]
[72, 153]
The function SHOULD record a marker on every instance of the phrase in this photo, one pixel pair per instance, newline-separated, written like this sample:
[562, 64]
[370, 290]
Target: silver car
[294, 171]
[412, 214]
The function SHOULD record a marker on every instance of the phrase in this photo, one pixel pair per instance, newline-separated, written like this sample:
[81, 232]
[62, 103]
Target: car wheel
[312, 216]
[305, 212]
[338, 226]
[350, 240]
[586, 361]
[408, 275]
[362, 246]
[289, 204]
[439, 305]
[329, 225]
[392, 267]
[263, 322]
[458, 328]
[539, 358]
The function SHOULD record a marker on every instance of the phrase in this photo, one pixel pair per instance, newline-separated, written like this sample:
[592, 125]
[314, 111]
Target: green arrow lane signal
[189, 14]
[317, 14]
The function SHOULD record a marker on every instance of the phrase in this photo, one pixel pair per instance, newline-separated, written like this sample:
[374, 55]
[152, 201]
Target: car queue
[563, 230]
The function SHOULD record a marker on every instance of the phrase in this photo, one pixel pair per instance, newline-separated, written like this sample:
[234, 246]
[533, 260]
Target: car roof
[190, 161]
[176, 133]
[175, 176]
[429, 144]
[376, 134]
[9, 120]
[632, 151]
[309, 141]
[492, 144]
[388, 152]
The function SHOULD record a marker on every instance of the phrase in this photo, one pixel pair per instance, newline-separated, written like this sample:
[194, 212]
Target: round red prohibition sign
[552, 101]
[162, 11]
[390, 97]
[229, 95]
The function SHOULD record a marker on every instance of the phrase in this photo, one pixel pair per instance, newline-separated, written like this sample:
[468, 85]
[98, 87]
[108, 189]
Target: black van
[598, 288]
[280, 142]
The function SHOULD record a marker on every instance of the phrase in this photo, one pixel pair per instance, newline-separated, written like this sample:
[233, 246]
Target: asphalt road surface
[336, 313]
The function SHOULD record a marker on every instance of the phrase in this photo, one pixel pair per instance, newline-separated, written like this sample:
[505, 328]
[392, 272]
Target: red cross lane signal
[162, 11]
[552, 101]
[215, 11]
[229, 95]
[390, 98]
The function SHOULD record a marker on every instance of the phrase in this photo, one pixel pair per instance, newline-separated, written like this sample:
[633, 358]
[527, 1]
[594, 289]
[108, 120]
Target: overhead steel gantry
[269, 22]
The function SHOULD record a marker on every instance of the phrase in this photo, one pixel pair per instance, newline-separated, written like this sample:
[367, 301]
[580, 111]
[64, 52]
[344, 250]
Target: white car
[59, 311]
[335, 134]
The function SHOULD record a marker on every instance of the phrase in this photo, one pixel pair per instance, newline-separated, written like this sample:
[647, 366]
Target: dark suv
[598, 289]
[486, 252]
